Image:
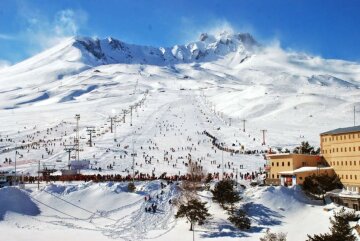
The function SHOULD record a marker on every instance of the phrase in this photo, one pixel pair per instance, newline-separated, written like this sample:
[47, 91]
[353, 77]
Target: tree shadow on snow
[224, 229]
[262, 215]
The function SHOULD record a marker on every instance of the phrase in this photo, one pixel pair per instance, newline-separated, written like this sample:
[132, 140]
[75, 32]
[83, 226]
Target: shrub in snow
[131, 187]
[320, 184]
[340, 229]
[269, 236]
[194, 211]
[240, 219]
[225, 194]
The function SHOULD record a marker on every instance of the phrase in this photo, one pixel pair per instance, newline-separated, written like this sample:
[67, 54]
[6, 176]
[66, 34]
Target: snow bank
[284, 198]
[15, 200]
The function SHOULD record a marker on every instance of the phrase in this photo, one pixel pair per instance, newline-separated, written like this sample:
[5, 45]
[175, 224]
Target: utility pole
[77, 117]
[124, 112]
[222, 164]
[237, 175]
[131, 108]
[115, 123]
[90, 130]
[133, 159]
[263, 131]
[111, 124]
[15, 162]
[38, 181]
[244, 125]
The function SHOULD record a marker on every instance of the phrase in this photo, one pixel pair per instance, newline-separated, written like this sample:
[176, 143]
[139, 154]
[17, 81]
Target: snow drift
[18, 201]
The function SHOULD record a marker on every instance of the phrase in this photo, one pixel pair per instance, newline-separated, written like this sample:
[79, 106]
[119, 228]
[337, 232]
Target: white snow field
[209, 85]
[106, 211]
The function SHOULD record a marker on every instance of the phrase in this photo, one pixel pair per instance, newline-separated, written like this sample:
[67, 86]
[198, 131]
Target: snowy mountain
[208, 48]
[266, 85]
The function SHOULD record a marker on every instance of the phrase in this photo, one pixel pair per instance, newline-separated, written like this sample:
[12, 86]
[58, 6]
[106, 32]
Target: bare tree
[195, 180]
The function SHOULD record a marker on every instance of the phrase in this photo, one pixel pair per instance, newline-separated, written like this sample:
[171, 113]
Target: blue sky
[328, 28]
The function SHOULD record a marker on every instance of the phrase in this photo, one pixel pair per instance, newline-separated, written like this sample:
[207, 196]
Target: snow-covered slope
[271, 88]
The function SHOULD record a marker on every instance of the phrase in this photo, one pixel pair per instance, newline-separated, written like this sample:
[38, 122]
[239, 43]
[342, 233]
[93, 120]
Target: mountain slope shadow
[18, 201]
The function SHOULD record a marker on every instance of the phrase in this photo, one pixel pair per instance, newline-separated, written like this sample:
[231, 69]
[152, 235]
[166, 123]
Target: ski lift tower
[90, 130]
[77, 139]
[69, 149]
[116, 120]
[131, 109]
[124, 114]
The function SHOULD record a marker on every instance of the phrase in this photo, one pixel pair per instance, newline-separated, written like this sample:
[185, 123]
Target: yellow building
[290, 169]
[341, 149]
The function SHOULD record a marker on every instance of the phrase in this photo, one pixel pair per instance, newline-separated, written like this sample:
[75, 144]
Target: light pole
[15, 163]
[222, 163]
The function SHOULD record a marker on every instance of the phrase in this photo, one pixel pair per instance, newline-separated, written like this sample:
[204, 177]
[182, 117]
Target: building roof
[342, 130]
[288, 154]
[305, 169]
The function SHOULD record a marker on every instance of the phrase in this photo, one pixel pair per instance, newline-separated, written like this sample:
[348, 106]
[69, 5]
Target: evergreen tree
[340, 229]
[304, 148]
[224, 193]
[320, 184]
[240, 219]
[194, 211]
[131, 187]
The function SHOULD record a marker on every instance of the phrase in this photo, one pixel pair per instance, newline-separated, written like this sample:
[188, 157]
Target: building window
[282, 163]
[350, 176]
[273, 176]
[337, 163]
[337, 149]
[341, 149]
[278, 176]
[353, 135]
[277, 164]
[344, 137]
[288, 164]
[346, 176]
[345, 163]
[272, 164]
[300, 178]
[342, 176]
[342, 163]
[354, 148]
[350, 162]
[336, 138]
[355, 177]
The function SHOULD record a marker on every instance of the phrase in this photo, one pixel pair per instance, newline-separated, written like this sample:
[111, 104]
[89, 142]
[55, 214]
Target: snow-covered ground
[106, 211]
[209, 85]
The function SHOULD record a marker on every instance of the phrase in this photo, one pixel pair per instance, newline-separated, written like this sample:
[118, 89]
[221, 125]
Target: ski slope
[208, 85]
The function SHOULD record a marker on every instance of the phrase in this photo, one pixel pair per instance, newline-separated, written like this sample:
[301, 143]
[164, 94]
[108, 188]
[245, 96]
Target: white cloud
[42, 33]
[4, 64]
[219, 27]
[191, 31]
[6, 36]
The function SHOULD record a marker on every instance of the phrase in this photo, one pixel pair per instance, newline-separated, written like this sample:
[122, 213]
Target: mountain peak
[226, 36]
